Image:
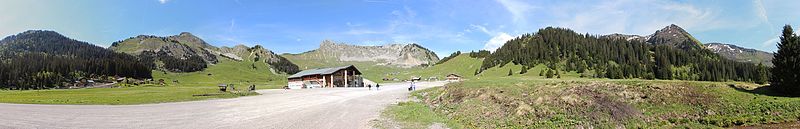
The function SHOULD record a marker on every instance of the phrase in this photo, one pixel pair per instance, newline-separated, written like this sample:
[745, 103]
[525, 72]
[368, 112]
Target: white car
[312, 84]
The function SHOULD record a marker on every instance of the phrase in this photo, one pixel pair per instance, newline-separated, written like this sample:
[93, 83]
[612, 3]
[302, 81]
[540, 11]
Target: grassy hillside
[229, 72]
[241, 74]
[462, 65]
[530, 102]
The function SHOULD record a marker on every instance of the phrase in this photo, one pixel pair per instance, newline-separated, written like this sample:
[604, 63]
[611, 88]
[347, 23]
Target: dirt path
[307, 108]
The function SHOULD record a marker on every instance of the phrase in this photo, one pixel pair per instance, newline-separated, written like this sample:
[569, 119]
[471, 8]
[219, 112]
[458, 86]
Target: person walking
[377, 86]
[369, 86]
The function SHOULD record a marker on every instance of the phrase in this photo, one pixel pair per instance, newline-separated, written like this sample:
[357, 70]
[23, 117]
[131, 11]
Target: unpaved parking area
[304, 108]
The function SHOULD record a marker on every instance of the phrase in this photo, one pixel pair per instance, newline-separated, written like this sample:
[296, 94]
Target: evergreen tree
[785, 74]
[510, 72]
[762, 75]
[524, 70]
[549, 73]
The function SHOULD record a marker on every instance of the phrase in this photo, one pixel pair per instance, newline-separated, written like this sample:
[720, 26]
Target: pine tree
[549, 73]
[510, 72]
[787, 60]
[762, 74]
[524, 70]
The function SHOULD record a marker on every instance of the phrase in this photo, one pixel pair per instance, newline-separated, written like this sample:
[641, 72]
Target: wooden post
[331, 81]
[324, 82]
[345, 78]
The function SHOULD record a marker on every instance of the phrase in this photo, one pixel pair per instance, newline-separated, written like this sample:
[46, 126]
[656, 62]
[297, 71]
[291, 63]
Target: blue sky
[444, 26]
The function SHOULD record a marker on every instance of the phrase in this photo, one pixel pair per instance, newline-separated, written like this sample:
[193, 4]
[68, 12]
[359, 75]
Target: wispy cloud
[232, 26]
[497, 41]
[518, 9]
[770, 43]
[163, 1]
[498, 38]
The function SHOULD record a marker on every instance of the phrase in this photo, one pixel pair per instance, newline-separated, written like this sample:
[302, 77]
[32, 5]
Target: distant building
[453, 77]
[345, 76]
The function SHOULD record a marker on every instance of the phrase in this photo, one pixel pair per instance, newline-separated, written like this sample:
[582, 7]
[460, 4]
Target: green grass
[415, 115]
[462, 65]
[534, 102]
[226, 71]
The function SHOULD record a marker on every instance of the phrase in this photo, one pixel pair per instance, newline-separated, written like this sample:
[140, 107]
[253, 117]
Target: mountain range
[183, 47]
[393, 55]
[674, 35]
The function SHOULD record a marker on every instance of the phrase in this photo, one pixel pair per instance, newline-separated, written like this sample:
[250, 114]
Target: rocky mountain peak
[676, 36]
[404, 55]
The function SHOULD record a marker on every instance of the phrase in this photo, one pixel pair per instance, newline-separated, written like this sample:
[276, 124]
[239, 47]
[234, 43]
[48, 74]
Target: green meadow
[192, 86]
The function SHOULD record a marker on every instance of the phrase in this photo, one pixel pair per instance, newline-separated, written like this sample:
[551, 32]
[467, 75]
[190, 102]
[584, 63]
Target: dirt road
[341, 108]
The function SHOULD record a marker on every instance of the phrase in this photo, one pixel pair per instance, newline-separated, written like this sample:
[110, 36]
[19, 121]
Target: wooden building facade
[345, 76]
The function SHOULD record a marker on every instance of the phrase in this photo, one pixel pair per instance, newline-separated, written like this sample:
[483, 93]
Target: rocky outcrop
[180, 46]
[674, 35]
[259, 54]
[404, 55]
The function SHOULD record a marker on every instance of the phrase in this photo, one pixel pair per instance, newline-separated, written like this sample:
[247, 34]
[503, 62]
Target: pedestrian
[369, 86]
[377, 86]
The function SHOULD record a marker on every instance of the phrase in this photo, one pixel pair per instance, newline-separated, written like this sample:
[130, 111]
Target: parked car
[312, 84]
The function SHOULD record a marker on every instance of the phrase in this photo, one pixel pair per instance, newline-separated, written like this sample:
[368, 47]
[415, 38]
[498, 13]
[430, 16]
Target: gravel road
[339, 108]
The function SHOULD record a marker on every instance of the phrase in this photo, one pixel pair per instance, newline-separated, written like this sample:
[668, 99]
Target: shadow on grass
[764, 90]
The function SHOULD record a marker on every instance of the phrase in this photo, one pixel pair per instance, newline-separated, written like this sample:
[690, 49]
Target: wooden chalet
[345, 76]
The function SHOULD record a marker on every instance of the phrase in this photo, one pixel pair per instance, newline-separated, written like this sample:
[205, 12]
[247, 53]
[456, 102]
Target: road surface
[340, 108]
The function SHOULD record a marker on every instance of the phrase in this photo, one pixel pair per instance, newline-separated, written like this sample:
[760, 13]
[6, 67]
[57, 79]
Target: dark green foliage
[524, 70]
[786, 73]
[614, 72]
[763, 75]
[45, 59]
[510, 72]
[632, 59]
[541, 73]
[479, 54]
[445, 59]
[284, 65]
[549, 73]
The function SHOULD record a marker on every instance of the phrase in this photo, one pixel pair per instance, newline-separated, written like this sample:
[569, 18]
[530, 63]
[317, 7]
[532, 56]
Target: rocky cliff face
[404, 55]
[186, 46]
[259, 54]
[182, 46]
[741, 54]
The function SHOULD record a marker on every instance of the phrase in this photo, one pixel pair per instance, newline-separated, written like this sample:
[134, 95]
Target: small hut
[453, 77]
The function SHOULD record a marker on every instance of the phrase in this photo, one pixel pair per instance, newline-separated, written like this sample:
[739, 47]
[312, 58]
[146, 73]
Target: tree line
[45, 59]
[563, 49]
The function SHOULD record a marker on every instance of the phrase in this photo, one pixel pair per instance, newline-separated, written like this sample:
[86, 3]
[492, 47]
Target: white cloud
[480, 28]
[518, 9]
[163, 1]
[497, 41]
[232, 26]
[640, 17]
[770, 43]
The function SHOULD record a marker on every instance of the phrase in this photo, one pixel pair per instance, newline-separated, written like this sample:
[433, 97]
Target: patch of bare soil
[604, 100]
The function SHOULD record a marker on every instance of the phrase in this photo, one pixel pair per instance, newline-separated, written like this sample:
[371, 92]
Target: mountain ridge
[401, 55]
[186, 48]
[675, 36]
